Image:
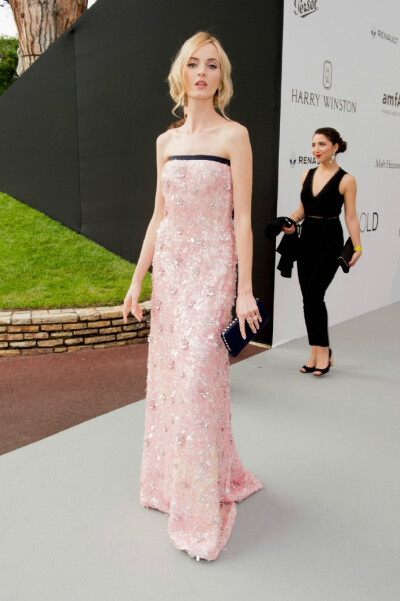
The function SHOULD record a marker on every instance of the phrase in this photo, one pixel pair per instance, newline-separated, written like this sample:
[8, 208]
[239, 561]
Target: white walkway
[325, 528]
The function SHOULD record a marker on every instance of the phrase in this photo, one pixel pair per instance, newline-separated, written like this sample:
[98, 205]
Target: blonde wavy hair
[176, 79]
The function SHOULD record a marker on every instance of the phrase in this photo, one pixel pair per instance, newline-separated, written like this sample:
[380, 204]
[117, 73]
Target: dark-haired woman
[324, 191]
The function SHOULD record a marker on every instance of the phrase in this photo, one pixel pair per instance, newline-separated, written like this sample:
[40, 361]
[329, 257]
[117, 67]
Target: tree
[40, 23]
[8, 62]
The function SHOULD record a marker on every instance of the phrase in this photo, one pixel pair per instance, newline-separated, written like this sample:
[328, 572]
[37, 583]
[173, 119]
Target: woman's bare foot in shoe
[311, 363]
[323, 361]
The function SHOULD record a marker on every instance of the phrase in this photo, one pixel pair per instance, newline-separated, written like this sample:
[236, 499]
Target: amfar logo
[383, 35]
[327, 75]
[391, 99]
[303, 8]
[301, 160]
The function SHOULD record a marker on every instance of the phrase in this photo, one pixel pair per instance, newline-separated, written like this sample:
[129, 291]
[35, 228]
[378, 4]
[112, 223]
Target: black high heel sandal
[326, 369]
[307, 370]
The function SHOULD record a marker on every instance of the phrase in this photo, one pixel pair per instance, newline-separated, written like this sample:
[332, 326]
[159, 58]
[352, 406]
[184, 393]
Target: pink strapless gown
[191, 469]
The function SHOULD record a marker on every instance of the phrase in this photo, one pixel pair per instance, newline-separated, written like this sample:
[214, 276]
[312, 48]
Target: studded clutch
[232, 337]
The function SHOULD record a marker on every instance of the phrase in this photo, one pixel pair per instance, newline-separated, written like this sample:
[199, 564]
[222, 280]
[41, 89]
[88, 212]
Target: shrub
[8, 62]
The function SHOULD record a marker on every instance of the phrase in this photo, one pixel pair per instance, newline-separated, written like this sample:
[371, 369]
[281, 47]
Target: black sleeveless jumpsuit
[321, 242]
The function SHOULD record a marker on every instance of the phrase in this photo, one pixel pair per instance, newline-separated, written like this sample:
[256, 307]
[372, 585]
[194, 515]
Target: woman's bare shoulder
[348, 183]
[350, 179]
[235, 130]
[163, 143]
[164, 138]
[304, 175]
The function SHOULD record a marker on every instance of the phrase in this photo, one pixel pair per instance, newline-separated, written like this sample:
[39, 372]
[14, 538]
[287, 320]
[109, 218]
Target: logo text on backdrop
[304, 8]
[383, 35]
[330, 102]
[386, 164]
[302, 159]
[327, 74]
[391, 100]
[368, 221]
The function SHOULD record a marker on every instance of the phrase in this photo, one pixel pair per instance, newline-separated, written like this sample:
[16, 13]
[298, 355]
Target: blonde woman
[191, 469]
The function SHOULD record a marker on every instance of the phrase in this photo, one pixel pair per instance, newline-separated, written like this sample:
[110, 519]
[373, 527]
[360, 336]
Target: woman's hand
[131, 303]
[288, 230]
[247, 310]
[355, 258]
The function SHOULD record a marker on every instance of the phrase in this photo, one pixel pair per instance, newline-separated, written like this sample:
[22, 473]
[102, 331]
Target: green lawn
[45, 265]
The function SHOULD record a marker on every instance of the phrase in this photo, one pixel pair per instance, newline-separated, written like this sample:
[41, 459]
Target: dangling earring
[333, 157]
[219, 96]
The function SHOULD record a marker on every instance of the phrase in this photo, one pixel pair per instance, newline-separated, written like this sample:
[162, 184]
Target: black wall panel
[85, 117]
[39, 161]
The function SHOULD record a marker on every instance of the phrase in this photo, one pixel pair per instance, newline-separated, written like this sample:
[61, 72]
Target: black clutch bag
[345, 256]
[232, 337]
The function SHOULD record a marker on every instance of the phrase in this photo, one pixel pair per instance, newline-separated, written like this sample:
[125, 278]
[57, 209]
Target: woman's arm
[349, 190]
[241, 167]
[297, 215]
[146, 256]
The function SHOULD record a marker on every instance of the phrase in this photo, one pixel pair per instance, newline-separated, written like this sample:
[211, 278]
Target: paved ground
[326, 526]
[43, 395]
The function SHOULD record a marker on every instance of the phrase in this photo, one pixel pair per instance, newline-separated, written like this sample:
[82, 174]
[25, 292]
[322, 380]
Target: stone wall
[67, 330]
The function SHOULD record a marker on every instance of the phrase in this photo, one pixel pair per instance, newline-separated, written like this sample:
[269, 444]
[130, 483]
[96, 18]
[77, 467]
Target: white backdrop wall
[341, 69]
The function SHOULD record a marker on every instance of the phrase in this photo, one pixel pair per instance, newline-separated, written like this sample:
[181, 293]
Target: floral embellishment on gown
[191, 469]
